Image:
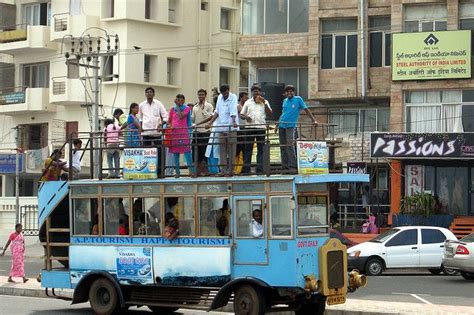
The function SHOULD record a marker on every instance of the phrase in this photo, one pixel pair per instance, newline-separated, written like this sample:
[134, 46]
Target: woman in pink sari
[17, 241]
[180, 123]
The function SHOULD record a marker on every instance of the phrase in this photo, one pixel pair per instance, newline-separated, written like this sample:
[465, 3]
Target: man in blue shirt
[290, 114]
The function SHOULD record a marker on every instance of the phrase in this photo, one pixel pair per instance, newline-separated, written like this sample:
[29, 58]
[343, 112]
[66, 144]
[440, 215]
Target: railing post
[100, 156]
[91, 152]
[266, 152]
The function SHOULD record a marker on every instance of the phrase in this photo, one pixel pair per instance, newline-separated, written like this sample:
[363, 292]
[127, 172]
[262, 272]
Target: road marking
[416, 296]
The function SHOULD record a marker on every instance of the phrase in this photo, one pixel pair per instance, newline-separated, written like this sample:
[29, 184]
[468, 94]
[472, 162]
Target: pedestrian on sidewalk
[17, 241]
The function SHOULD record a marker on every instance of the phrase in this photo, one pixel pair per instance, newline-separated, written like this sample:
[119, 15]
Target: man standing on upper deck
[286, 126]
[202, 110]
[154, 116]
[255, 111]
[226, 127]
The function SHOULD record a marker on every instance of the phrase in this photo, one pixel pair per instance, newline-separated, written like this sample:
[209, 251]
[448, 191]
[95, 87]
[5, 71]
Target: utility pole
[81, 56]
[17, 175]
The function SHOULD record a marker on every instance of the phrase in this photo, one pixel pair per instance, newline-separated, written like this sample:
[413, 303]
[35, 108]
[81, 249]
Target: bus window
[214, 216]
[183, 210]
[249, 218]
[281, 216]
[113, 211]
[146, 216]
[86, 221]
[312, 215]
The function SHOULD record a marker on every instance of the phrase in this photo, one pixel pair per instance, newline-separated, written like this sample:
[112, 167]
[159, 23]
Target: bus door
[250, 232]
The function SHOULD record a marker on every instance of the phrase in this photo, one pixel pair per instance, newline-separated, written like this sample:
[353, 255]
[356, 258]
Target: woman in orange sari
[17, 242]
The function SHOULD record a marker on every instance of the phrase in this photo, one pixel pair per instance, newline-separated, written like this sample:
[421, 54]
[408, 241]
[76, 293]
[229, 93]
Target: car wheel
[249, 300]
[103, 297]
[450, 272]
[374, 267]
[435, 271]
[467, 275]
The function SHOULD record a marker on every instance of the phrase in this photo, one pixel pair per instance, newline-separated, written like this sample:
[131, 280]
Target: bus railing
[264, 137]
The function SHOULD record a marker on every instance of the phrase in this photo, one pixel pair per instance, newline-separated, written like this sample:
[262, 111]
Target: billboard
[431, 55]
[313, 157]
[140, 163]
[422, 145]
[8, 163]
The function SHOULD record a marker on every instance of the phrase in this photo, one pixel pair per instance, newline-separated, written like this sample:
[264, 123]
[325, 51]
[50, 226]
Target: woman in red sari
[17, 242]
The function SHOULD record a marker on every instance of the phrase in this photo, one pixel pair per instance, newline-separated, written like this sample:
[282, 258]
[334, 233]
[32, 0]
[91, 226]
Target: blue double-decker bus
[260, 242]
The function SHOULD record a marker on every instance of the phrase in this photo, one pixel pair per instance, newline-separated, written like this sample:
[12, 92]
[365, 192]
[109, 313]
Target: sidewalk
[352, 307]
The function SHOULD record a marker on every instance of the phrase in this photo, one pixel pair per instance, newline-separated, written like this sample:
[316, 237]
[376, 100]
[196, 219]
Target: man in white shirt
[255, 112]
[202, 110]
[76, 158]
[256, 227]
[226, 126]
[153, 116]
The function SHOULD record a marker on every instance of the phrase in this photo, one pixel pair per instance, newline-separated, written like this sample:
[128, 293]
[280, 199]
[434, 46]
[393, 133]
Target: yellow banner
[431, 55]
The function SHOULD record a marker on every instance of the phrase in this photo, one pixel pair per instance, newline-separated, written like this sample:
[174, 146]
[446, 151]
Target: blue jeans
[189, 161]
[113, 161]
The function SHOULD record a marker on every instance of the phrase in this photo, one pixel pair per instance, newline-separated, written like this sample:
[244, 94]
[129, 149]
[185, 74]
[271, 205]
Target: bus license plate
[336, 299]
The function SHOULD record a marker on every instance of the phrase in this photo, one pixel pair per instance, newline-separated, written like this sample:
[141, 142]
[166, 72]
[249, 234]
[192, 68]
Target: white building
[175, 46]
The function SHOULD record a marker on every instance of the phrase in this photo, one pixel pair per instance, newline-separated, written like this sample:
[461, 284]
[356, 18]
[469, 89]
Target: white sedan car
[402, 247]
[459, 255]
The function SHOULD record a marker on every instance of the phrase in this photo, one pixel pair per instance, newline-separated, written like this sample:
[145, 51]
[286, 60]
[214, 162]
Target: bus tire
[162, 310]
[249, 300]
[103, 297]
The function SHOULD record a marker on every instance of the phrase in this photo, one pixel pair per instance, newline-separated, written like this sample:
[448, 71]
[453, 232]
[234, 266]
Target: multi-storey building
[339, 55]
[175, 46]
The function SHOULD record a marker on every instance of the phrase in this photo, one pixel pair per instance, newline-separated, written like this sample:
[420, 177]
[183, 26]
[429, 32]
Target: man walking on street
[226, 127]
[154, 116]
[292, 105]
[255, 112]
[202, 110]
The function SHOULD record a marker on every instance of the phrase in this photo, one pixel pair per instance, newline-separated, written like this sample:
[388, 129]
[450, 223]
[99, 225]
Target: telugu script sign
[422, 145]
[313, 157]
[431, 55]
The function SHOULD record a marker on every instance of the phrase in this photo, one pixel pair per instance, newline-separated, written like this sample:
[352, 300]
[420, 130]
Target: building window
[148, 9]
[380, 41]
[275, 16]
[353, 121]
[146, 68]
[226, 19]
[172, 71]
[36, 75]
[108, 8]
[37, 13]
[33, 137]
[224, 76]
[339, 44]
[204, 5]
[425, 18]
[107, 68]
[203, 67]
[298, 77]
[434, 111]
[466, 20]
[172, 11]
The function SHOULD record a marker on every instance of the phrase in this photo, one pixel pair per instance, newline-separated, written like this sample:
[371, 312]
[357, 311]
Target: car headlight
[355, 253]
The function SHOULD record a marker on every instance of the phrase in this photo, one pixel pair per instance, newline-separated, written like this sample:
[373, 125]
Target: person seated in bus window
[256, 226]
[95, 225]
[171, 226]
[222, 222]
[144, 229]
[123, 225]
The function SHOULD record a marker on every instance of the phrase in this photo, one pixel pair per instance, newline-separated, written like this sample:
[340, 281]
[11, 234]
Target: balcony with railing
[68, 25]
[20, 100]
[21, 38]
[67, 91]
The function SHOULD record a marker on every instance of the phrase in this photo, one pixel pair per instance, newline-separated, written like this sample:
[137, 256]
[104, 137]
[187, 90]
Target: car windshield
[468, 239]
[384, 236]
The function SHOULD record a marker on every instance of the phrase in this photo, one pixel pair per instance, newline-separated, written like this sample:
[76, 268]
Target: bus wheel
[249, 300]
[103, 297]
[162, 310]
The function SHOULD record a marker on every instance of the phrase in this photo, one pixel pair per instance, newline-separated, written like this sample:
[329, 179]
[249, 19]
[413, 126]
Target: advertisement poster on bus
[313, 157]
[431, 55]
[140, 163]
[134, 263]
